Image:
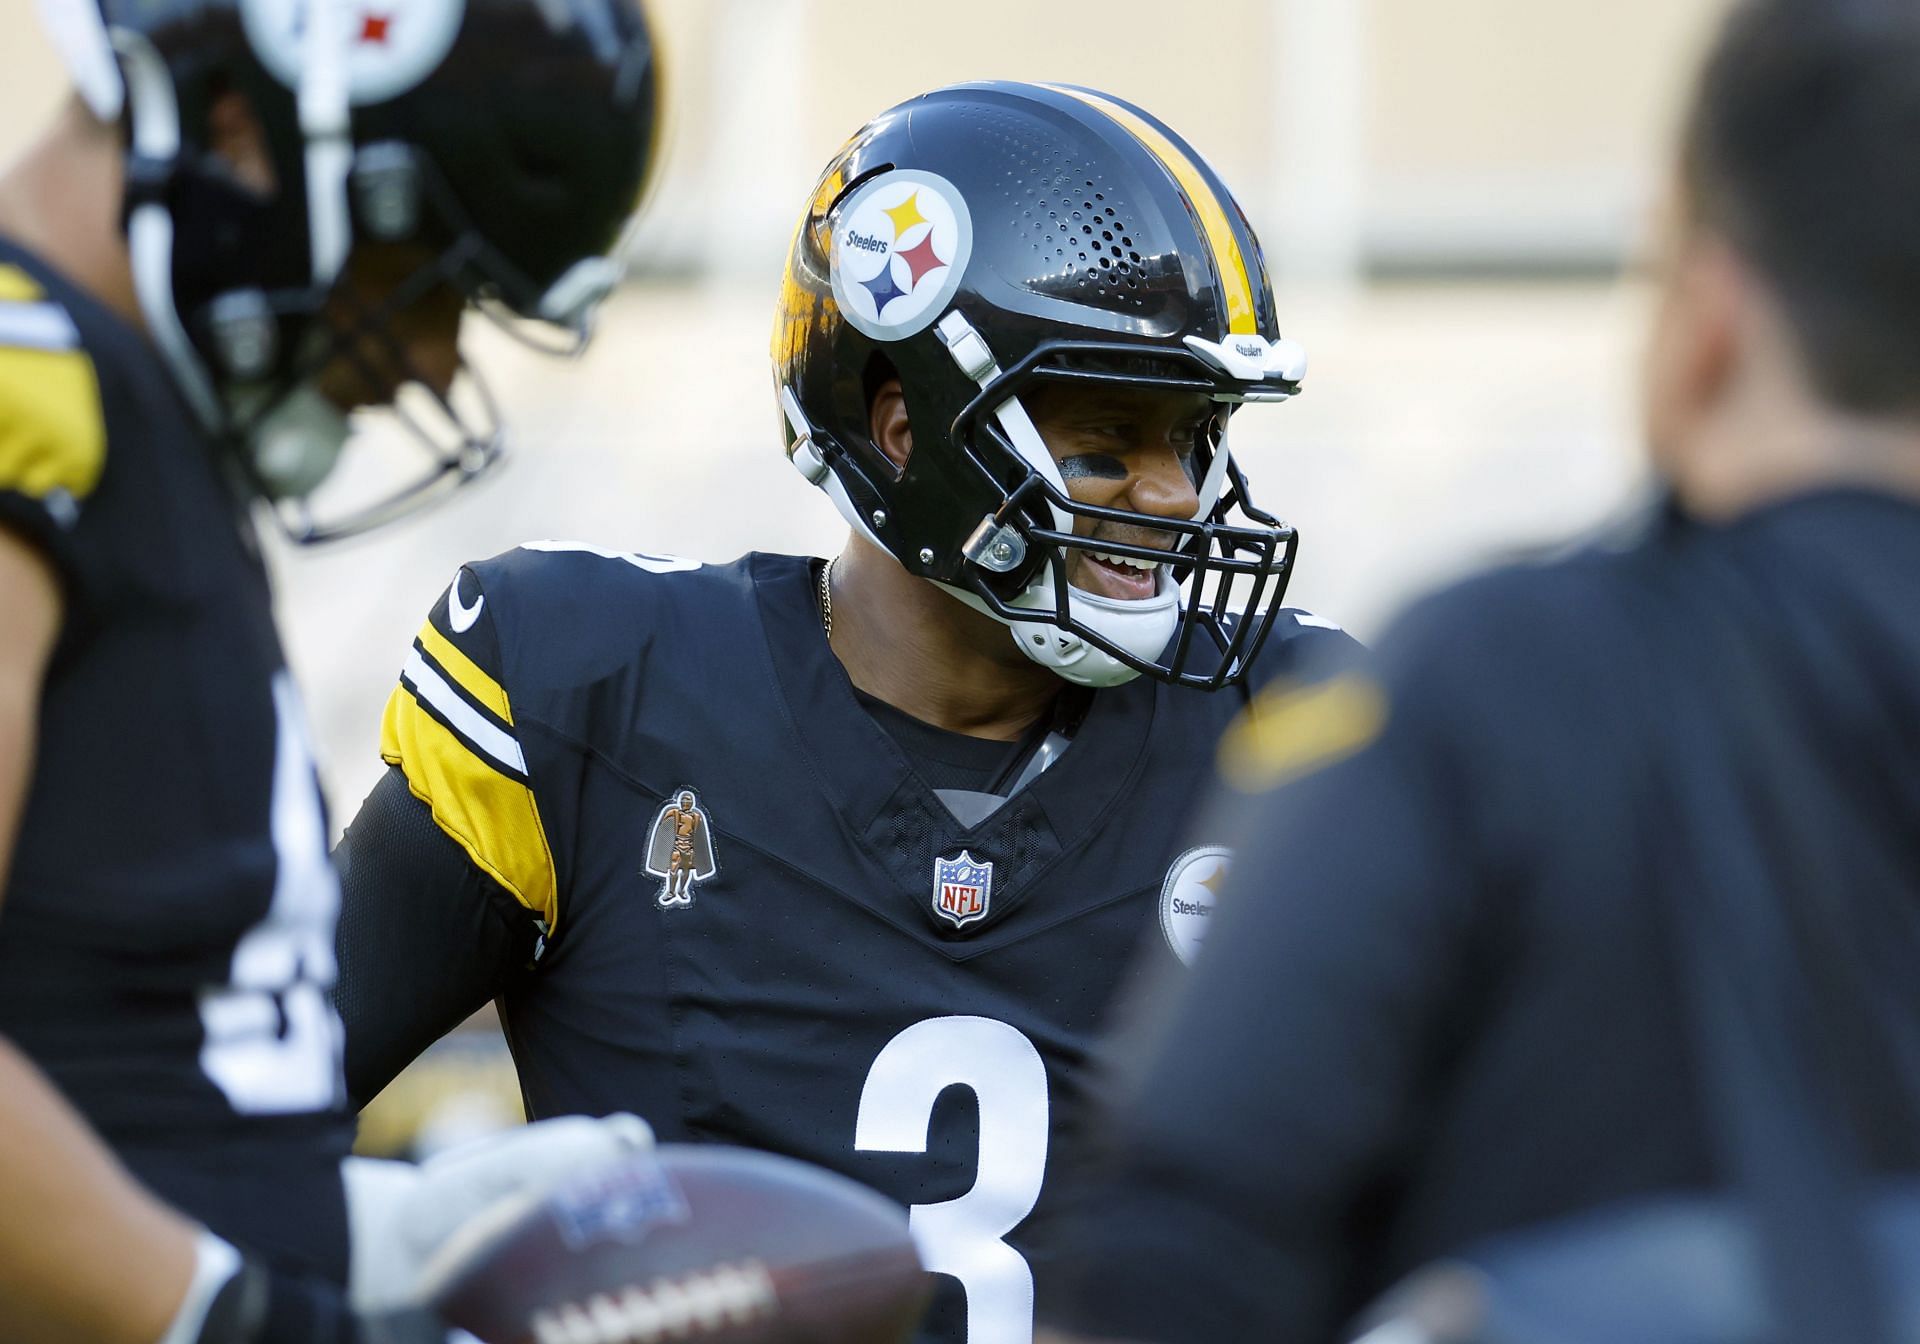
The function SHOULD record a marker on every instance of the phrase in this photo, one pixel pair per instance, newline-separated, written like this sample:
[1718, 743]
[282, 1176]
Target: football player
[1578, 944]
[846, 859]
[257, 217]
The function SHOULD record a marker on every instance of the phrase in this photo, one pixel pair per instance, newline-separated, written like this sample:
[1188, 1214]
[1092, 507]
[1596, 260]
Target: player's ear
[1694, 357]
[239, 140]
[892, 435]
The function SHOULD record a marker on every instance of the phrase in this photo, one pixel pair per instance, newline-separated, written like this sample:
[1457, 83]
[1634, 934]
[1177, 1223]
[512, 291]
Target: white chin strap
[1141, 626]
[295, 445]
[156, 135]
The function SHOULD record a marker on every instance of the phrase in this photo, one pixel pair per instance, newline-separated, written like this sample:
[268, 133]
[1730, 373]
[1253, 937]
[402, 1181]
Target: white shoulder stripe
[37, 326]
[432, 688]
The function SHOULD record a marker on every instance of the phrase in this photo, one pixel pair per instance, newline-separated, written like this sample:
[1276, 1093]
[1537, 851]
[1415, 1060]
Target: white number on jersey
[964, 1237]
[273, 1040]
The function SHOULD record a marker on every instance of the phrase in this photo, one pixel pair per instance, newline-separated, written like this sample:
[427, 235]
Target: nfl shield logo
[962, 889]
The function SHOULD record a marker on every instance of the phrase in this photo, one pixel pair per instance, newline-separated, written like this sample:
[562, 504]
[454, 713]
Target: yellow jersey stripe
[53, 432]
[1215, 224]
[466, 673]
[481, 732]
[1290, 731]
[490, 815]
[16, 286]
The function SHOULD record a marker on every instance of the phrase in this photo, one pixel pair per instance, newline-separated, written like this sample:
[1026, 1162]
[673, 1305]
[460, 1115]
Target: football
[689, 1242]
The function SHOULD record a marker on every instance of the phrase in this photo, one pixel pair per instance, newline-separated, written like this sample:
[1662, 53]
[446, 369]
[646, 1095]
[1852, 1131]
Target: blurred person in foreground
[846, 859]
[255, 218]
[1591, 917]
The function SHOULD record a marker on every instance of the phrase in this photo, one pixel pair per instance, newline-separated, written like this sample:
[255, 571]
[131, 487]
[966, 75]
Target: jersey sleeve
[425, 938]
[449, 730]
[53, 440]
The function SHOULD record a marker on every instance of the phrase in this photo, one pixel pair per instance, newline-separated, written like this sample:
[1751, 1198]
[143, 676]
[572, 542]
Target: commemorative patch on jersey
[680, 849]
[900, 246]
[962, 889]
[1188, 895]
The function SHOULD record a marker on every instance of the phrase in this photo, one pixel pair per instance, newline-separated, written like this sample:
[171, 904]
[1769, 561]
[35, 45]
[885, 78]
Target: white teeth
[1126, 560]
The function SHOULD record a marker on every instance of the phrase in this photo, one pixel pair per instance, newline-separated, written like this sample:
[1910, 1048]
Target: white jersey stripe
[432, 688]
[37, 326]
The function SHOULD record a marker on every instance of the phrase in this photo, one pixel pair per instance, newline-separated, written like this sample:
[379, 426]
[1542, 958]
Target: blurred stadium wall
[1451, 195]
[1397, 136]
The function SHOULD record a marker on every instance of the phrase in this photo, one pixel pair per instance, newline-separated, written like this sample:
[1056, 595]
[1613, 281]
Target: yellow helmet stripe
[1214, 222]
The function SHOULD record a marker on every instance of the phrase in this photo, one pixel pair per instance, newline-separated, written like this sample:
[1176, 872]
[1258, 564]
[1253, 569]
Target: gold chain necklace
[826, 597]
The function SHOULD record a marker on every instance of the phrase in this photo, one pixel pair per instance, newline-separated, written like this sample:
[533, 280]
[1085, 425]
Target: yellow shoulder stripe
[467, 673]
[493, 817]
[16, 286]
[53, 433]
[1214, 223]
[1290, 731]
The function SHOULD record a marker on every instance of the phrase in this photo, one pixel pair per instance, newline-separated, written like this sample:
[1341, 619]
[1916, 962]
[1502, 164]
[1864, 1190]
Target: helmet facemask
[245, 291]
[1220, 574]
[449, 439]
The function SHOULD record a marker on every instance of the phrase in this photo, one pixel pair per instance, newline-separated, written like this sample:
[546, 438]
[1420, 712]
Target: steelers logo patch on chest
[1188, 895]
[900, 246]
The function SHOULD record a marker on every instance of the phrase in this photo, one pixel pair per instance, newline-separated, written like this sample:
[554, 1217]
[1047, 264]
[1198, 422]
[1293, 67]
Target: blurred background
[1455, 200]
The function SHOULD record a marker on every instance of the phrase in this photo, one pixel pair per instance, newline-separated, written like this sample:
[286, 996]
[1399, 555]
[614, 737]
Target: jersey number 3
[964, 1237]
[272, 1037]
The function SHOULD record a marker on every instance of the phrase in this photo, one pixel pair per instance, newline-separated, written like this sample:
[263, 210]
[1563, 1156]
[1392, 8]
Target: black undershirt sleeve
[425, 938]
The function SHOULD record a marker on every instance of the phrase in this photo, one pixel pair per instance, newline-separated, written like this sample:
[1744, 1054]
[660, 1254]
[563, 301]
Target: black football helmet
[979, 240]
[505, 141]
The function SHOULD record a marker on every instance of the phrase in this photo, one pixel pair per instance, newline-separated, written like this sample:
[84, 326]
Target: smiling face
[1123, 448]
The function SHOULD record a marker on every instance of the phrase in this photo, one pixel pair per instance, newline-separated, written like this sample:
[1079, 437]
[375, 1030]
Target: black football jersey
[166, 932]
[762, 926]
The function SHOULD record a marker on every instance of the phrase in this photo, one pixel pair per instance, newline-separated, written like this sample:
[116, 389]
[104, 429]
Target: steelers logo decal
[389, 46]
[1187, 899]
[900, 246]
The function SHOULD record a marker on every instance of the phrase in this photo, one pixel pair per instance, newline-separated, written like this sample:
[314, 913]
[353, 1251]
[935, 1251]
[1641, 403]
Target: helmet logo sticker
[390, 45]
[900, 246]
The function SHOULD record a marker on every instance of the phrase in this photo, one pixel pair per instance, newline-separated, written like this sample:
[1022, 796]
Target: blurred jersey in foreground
[1449, 998]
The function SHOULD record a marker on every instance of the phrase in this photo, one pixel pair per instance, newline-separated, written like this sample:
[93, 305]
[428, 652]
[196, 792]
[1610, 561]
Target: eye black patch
[1098, 466]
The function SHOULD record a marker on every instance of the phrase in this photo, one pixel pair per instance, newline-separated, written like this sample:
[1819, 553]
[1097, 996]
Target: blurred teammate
[1603, 893]
[256, 218]
[916, 809]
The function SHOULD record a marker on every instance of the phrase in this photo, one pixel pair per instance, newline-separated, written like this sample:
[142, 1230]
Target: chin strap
[155, 120]
[324, 101]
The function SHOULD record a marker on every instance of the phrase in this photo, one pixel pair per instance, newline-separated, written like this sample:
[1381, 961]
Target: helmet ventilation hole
[1074, 224]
